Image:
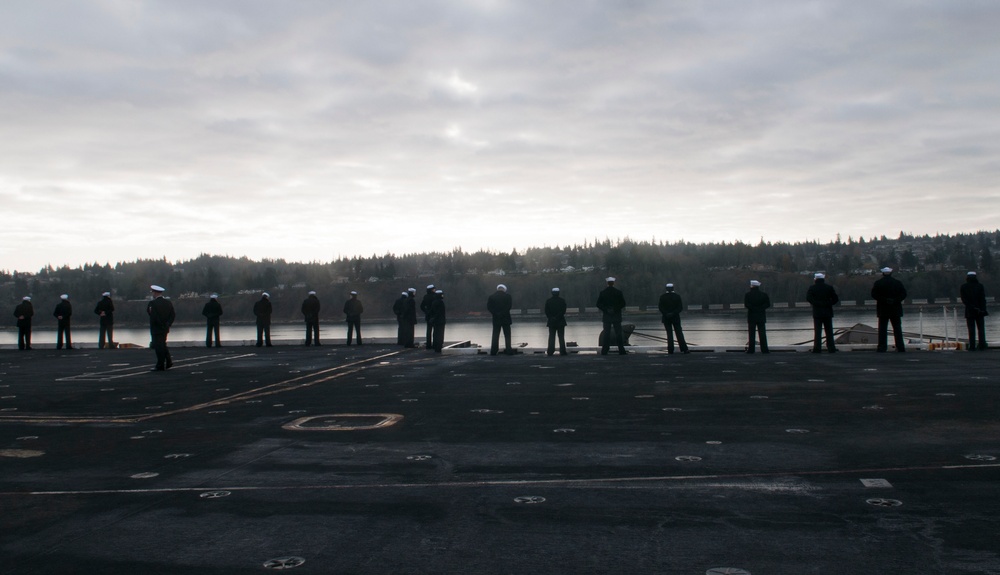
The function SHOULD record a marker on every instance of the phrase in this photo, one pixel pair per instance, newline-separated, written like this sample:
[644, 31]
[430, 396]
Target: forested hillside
[932, 267]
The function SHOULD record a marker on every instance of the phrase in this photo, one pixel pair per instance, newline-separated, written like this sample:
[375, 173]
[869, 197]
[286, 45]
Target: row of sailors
[888, 292]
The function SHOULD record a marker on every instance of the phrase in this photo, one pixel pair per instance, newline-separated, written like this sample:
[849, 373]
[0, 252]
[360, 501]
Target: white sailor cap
[887, 270]
[430, 286]
[106, 294]
[754, 283]
[405, 293]
[214, 296]
[64, 296]
[439, 291]
[555, 290]
[501, 287]
[265, 294]
[669, 286]
[971, 274]
[414, 290]
[311, 292]
[819, 276]
[354, 293]
[609, 279]
[27, 298]
[156, 288]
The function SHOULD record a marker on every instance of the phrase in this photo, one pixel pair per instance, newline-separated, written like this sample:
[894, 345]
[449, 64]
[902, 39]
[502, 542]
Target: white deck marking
[140, 369]
[603, 482]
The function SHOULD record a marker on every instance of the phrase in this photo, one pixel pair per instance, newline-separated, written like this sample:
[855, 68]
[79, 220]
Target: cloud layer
[307, 130]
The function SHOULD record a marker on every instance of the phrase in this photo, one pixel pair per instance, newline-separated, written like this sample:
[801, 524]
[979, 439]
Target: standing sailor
[671, 307]
[756, 303]
[161, 317]
[409, 317]
[23, 312]
[213, 314]
[263, 310]
[889, 293]
[63, 313]
[555, 315]
[310, 311]
[353, 310]
[106, 310]
[425, 306]
[974, 297]
[611, 302]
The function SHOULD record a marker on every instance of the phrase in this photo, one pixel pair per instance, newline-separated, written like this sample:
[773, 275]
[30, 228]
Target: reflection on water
[784, 328]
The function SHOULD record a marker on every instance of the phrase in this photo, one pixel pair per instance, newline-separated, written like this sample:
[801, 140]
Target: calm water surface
[784, 328]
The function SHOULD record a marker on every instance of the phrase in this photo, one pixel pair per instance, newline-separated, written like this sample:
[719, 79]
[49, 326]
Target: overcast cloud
[305, 130]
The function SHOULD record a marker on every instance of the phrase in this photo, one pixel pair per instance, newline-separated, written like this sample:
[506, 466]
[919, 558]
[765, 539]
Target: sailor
[409, 317]
[555, 315]
[213, 314]
[499, 305]
[353, 310]
[397, 309]
[889, 293]
[822, 298]
[161, 317]
[974, 297]
[263, 310]
[611, 302]
[438, 320]
[106, 311]
[310, 311]
[23, 312]
[756, 303]
[63, 313]
[671, 307]
[425, 306]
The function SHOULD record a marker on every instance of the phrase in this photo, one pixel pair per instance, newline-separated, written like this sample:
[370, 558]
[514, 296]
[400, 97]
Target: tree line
[932, 267]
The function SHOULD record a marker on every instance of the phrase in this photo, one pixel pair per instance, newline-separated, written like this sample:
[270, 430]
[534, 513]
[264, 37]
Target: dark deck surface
[644, 463]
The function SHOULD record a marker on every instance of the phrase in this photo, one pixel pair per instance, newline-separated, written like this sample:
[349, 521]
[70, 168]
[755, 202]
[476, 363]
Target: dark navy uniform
[213, 314]
[555, 315]
[106, 310]
[24, 312]
[161, 317]
[889, 294]
[756, 303]
[671, 307]
[822, 298]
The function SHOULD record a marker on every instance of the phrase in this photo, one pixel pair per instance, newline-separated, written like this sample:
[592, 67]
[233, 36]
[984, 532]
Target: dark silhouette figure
[671, 307]
[438, 320]
[263, 310]
[889, 293]
[499, 305]
[63, 313]
[611, 302]
[310, 311]
[425, 306]
[822, 297]
[555, 315]
[353, 310]
[409, 318]
[106, 311]
[213, 314]
[756, 303]
[397, 310]
[974, 297]
[161, 317]
[24, 311]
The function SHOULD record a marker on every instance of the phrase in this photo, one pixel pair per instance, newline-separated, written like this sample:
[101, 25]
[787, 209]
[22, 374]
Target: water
[783, 328]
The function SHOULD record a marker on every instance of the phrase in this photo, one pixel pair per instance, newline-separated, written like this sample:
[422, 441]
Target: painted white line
[603, 482]
[140, 369]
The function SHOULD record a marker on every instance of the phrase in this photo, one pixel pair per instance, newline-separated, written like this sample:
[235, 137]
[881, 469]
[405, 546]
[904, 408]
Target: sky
[312, 130]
